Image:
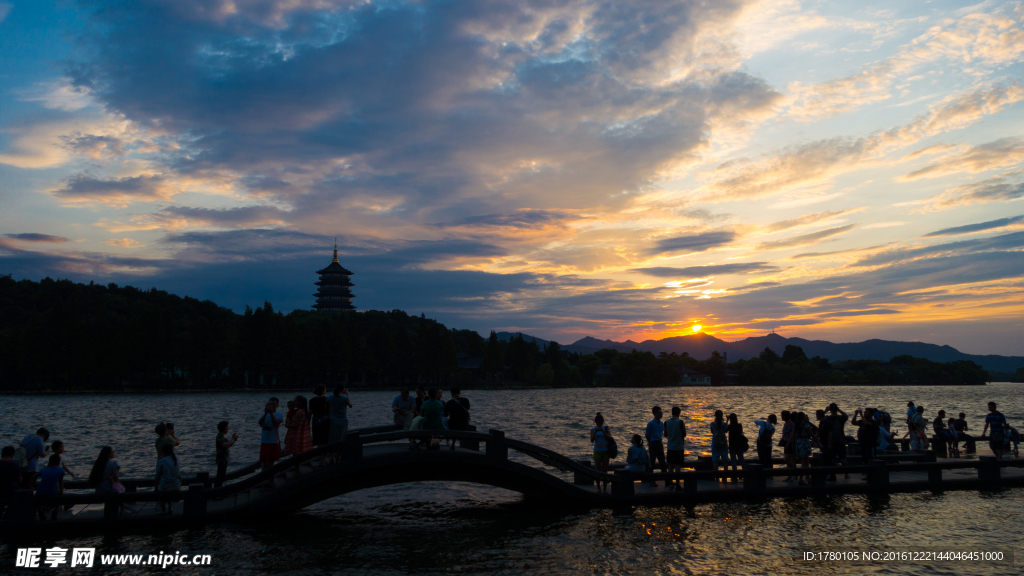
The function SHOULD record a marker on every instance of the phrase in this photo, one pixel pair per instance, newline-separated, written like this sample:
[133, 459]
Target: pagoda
[332, 291]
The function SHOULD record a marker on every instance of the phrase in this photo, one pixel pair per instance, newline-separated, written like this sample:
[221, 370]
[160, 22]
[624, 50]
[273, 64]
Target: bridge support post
[581, 478]
[351, 448]
[204, 479]
[622, 484]
[817, 477]
[23, 508]
[703, 463]
[879, 476]
[111, 506]
[930, 455]
[690, 486]
[470, 444]
[496, 446]
[754, 481]
[195, 501]
[988, 470]
[935, 476]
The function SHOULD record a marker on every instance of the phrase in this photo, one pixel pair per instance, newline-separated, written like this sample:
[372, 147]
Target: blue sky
[565, 168]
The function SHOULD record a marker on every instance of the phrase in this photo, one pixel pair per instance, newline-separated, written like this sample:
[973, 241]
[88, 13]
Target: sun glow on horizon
[696, 327]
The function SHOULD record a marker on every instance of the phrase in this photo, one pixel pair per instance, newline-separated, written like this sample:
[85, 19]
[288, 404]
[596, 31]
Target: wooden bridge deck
[376, 459]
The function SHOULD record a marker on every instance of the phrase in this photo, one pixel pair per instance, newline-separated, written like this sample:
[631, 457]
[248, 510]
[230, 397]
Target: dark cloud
[113, 190]
[710, 270]
[448, 110]
[805, 239]
[94, 146]
[36, 237]
[697, 242]
[242, 216]
[1011, 241]
[518, 219]
[991, 224]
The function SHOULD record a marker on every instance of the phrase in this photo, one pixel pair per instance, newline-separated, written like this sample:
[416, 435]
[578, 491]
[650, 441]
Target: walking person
[997, 438]
[765, 431]
[270, 439]
[738, 443]
[223, 446]
[168, 477]
[600, 436]
[27, 455]
[401, 407]
[320, 418]
[719, 443]
[655, 432]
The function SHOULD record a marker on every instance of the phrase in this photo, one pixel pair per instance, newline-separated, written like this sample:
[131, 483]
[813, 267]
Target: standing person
[402, 407]
[637, 460]
[919, 421]
[51, 483]
[164, 437]
[801, 438]
[765, 431]
[824, 440]
[788, 453]
[10, 473]
[168, 476]
[270, 439]
[675, 440]
[339, 403]
[433, 415]
[320, 418]
[997, 421]
[719, 443]
[837, 420]
[291, 428]
[867, 433]
[58, 449]
[738, 443]
[298, 439]
[911, 411]
[599, 437]
[655, 433]
[32, 448]
[457, 410]
[223, 445]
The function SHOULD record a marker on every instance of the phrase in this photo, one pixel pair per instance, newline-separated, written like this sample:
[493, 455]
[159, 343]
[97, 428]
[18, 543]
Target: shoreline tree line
[62, 335]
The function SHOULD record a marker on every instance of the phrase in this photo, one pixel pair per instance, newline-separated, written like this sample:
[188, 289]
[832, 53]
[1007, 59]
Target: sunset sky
[838, 170]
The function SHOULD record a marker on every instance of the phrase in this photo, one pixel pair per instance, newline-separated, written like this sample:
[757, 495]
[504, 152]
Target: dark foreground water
[436, 528]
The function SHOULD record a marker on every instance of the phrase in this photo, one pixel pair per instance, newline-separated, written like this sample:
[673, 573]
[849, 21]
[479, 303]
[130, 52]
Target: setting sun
[696, 327]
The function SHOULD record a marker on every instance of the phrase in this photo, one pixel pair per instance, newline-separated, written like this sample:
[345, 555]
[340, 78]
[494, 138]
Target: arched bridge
[382, 456]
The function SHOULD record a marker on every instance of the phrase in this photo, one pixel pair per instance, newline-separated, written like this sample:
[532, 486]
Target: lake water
[439, 528]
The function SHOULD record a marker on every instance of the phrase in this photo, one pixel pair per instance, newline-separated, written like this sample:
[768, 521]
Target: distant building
[689, 377]
[333, 291]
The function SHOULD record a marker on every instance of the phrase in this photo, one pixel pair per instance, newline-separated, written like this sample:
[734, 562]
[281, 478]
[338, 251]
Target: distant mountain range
[701, 346]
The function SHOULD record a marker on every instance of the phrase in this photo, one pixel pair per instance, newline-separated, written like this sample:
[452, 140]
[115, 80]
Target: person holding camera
[270, 439]
[165, 437]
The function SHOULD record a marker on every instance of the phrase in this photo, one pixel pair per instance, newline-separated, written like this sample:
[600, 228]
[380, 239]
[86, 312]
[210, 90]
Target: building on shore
[334, 288]
[690, 377]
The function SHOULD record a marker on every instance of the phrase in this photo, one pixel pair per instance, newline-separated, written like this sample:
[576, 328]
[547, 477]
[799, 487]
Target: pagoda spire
[335, 249]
